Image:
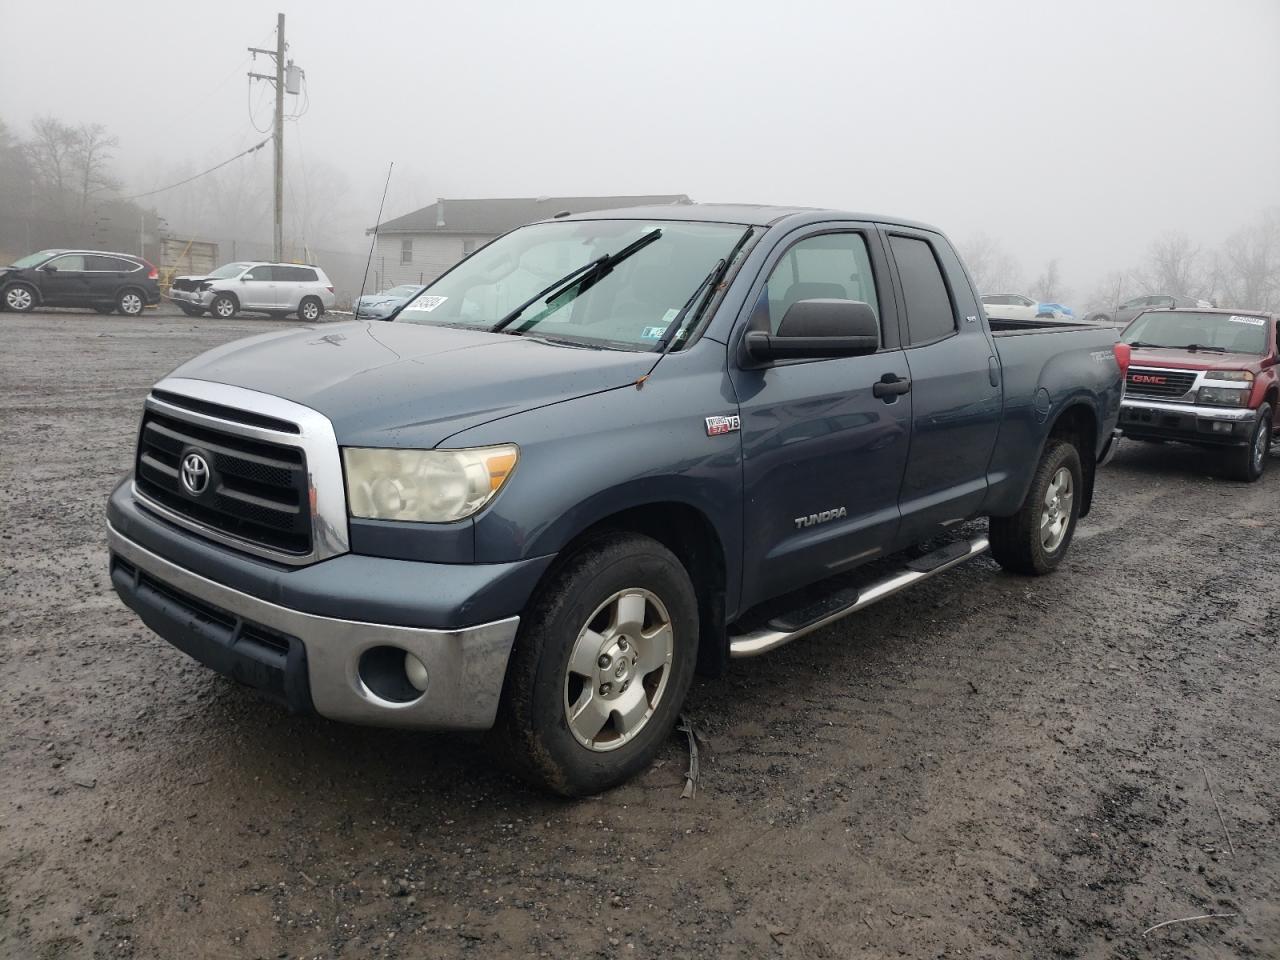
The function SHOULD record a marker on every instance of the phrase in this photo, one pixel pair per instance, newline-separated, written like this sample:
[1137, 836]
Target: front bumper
[194, 298]
[1161, 420]
[310, 661]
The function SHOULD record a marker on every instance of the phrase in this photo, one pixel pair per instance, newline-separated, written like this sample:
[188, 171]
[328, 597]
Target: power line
[242, 153]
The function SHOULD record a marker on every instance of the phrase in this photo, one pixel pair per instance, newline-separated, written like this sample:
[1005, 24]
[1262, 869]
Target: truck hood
[410, 385]
[1185, 360]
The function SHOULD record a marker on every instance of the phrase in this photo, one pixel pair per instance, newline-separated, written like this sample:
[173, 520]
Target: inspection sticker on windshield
[1252, 321]
[427, 303]
[652, 333]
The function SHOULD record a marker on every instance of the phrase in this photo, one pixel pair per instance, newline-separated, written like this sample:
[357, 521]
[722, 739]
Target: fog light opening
[385, 671]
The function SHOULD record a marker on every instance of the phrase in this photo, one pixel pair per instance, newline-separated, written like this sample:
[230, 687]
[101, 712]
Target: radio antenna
[374, 243]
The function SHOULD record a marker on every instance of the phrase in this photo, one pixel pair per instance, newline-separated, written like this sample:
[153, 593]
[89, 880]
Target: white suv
[273, 288]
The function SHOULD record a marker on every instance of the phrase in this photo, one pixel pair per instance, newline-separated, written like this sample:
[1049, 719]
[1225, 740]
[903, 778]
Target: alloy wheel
[618, 669]
[1055, 518]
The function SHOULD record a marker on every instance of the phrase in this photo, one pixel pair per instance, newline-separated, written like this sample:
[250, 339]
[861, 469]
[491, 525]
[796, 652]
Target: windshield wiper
[1193, 347]
[586, 275]
[674, 326]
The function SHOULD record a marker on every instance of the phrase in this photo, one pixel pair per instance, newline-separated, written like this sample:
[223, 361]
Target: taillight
[330, 289]
[1122, 352]
[153, 273]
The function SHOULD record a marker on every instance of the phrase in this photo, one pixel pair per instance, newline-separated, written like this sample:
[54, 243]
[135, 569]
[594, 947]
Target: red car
[1206, 377]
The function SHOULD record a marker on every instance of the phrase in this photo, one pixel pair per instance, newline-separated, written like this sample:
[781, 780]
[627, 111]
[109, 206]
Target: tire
[104, 308]
[1035, 539]
[310, 310]
[190, 311]
[224, 306]
[1248, 462]
[131, 303]
[20, 298]
[571, 626]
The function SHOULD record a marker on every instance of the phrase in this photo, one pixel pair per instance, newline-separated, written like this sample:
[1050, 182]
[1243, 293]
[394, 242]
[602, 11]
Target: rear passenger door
[955, 386]
[104, 275]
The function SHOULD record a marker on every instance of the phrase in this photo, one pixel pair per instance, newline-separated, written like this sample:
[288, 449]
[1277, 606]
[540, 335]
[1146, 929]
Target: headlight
[425, 486]
[1223, 396]
[1244, 375]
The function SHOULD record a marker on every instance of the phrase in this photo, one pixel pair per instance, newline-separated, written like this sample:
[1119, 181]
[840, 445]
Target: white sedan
[1010, 306]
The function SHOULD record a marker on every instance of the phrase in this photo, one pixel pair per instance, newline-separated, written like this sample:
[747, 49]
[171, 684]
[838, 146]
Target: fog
[1078, 131]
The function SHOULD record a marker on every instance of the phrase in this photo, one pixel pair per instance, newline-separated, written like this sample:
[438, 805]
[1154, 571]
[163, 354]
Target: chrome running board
[775, 634]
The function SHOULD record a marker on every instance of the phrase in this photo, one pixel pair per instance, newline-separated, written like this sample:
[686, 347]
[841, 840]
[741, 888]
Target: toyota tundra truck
[1205, 377]
[600, 454]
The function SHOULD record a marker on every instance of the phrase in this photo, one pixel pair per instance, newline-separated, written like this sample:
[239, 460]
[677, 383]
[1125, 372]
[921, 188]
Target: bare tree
[50, 151]
[91, 155]
[1047, 287]
[1176, 267]
[1248, 265]
[992, 269]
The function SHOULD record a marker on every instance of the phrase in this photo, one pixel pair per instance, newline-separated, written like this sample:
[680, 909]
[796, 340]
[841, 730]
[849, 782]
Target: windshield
[629, 306]
[34, 259]
[1218, 332]
[227, 271]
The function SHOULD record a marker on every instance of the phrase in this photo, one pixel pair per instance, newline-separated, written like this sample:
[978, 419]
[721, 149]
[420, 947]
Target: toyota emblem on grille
[195, 474]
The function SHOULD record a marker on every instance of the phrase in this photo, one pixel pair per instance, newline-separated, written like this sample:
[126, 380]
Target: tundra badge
[719, 425]
[823, 517]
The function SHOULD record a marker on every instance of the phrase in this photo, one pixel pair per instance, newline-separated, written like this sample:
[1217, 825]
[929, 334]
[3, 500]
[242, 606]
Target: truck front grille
[256, 490]
[1159, 384]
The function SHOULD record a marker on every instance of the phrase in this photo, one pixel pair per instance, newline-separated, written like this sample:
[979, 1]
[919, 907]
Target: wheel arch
[688, 533]
[1077, 423]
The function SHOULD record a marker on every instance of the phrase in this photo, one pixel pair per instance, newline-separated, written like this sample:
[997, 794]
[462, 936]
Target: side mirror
[814, 329]
[49, 268]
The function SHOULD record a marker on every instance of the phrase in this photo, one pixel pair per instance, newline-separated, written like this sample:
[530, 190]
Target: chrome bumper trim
[1234, 414]
[465, 667]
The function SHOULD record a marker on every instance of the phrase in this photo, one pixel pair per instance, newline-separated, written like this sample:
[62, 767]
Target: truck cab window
[930, 313]
[832, 266]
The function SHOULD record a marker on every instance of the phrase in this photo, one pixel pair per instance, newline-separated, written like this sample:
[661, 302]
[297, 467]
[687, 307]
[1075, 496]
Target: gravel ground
[989, 767]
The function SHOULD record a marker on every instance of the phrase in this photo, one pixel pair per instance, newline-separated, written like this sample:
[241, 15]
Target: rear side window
[930, 314]
[108, 264]
[301, 274]
[831, 266]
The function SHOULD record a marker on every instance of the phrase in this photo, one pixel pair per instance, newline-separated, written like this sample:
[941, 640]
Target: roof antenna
[374, 243]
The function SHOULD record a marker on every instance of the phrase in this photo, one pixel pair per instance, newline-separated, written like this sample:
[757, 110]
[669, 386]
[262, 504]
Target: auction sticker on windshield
[1252, 321]
[426, 303]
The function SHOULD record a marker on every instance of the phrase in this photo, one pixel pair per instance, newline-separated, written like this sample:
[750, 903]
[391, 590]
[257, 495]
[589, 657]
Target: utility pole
[279, 81]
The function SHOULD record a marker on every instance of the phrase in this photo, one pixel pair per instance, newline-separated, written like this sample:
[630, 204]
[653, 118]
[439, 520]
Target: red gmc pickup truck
[1206, 377]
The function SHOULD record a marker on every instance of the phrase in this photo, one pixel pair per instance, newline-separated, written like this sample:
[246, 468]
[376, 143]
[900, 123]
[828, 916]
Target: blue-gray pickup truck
[599, 455]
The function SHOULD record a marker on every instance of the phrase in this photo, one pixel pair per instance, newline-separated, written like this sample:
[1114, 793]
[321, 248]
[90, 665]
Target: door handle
[890, 386]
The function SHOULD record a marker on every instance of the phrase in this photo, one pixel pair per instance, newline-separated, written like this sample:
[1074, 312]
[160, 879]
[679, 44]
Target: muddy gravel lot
[989, 767]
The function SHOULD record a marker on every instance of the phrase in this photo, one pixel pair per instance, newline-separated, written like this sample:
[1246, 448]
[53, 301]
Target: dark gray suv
[103, 281]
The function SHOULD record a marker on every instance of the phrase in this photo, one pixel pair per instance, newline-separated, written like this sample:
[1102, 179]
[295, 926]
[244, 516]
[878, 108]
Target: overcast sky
[1080, 129]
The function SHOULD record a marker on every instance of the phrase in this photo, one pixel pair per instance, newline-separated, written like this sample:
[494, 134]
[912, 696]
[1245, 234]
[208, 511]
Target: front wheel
[601, 667]
[20, 298]
[1247, 463]
[224, 306]
[1035, 539]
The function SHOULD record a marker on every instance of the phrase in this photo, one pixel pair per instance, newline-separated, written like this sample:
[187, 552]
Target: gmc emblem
[1147, 378]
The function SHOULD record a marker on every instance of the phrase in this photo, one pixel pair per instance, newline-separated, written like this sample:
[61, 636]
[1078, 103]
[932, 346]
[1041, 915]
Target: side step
[786, 628]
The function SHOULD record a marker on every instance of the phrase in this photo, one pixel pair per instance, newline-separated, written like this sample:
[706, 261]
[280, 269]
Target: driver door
[824, 444]
[66, 284]
[259, 288]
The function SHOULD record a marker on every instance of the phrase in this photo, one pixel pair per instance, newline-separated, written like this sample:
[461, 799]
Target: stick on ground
[1203, 916]
[1221, 819]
